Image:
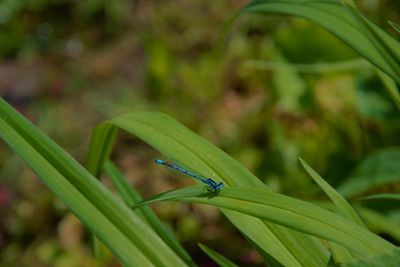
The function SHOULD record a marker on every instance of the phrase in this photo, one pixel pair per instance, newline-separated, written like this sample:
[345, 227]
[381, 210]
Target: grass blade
[286, 211]
[391, 258]
[395, 197]
[377, 169]
[105, 135]
[131, 197]
[391, 88]
[379, 223]
[339, 20]
[340, 254]
[175, 141]
[78, 203]
[395, 26]
[340, 202]
[25, 139]
[376, 39]
[218, 258]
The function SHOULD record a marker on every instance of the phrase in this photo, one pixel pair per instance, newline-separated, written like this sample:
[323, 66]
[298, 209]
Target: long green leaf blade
[389, 259]
[119, 214]
[286, 211]
[340, 254]
[395, 26]
[391, 87]
[339, 20]
[387, 196]
[89, 214]
[289, 247]
[130, 197]
[377, 169]
[218, 258]
[341, 203]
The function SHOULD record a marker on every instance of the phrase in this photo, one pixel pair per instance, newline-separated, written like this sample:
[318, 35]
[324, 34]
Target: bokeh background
[265, 89]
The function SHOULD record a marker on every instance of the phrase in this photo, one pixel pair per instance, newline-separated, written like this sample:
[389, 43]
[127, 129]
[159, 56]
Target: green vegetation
[281, 98]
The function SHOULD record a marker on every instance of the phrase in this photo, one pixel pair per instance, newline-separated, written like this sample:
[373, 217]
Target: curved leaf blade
[391, 258]
[218, 258]
[346, 23]
[130, 197]
[289, 247]
[387, 196]
[286, 211]
[89, 214]
[378, 169]
[341, 203]
[53, 157]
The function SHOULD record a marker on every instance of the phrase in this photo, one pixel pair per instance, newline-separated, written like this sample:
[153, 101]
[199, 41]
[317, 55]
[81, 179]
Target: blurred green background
[69, 65]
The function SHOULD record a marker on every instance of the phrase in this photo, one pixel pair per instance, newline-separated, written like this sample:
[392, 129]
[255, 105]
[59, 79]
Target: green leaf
[286, 211]
[105, 135]
[218, 258]
[395, 197]
[391, 258]
[371, 31]
[395, 26]
[131, 197]
[375, 221]
[175, 141]
[128, 237]
[363, 36]
[340, 202]
[339, 253]
[391, 88]
[380, 223]
[379, 168]
[128, 194]
[78, 203]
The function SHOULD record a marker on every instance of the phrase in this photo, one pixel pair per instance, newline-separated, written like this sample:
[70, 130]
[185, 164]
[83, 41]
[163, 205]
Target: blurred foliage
[68, 65]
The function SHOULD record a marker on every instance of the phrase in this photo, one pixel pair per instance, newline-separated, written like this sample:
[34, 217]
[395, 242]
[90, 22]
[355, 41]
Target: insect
[211, 185]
